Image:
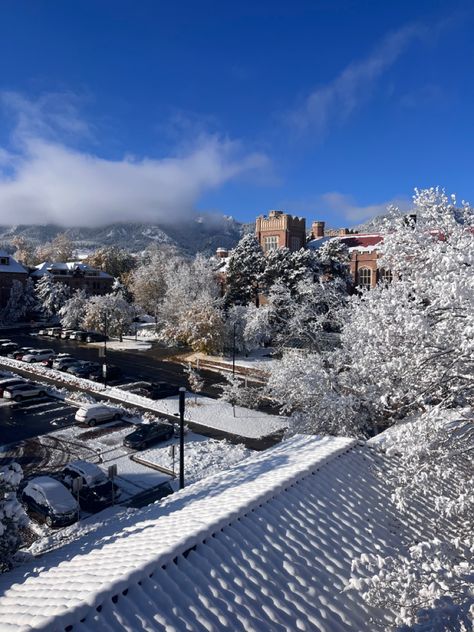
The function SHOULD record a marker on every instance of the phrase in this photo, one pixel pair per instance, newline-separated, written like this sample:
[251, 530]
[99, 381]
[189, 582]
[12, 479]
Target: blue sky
[115, 110]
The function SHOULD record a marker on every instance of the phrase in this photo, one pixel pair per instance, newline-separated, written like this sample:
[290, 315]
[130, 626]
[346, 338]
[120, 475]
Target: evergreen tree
[51, 295]
[246, 264]
[15, 308]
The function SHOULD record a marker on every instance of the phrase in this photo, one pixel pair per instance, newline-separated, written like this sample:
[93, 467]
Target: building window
[385, 276]
[270, 243]
[364, 277]
[5, 261]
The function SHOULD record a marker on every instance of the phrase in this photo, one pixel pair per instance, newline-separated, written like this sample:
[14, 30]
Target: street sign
[112, 470]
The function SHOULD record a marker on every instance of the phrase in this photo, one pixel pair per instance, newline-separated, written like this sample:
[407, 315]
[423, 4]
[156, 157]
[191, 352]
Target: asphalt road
[150, 365]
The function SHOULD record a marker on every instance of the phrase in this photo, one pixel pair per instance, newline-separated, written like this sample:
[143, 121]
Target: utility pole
[182, 394]
[233, 352]
[104, 366]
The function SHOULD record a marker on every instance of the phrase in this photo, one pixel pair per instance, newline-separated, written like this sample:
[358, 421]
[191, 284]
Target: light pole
[182, 394]
[104, 366]
[233, 352]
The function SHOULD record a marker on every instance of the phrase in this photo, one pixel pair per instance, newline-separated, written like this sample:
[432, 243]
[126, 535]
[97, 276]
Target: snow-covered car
[92, 414]
[47, 500]
[147, 434]
[97, 490]
[12, 381]
[63, 363]
[26, 390]
[38, 355]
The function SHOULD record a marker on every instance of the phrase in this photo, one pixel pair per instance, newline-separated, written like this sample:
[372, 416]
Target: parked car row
[73, 334]
[18, 389]
[53, 498]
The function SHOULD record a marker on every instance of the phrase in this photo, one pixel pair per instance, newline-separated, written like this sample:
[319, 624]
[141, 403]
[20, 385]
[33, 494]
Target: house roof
[265, 546]
[70, 266]
[13, 266]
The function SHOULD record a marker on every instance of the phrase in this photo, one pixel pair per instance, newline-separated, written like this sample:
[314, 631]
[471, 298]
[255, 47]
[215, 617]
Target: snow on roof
[12, 265]
[91, 472]
[266, 545]
[69, 266]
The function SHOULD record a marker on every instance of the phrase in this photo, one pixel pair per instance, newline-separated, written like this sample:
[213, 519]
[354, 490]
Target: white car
[18, 392]
[92, 414]
[47, 500]
[38, 355]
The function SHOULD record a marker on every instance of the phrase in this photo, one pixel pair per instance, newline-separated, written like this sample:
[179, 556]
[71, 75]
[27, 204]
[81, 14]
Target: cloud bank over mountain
[46, 179]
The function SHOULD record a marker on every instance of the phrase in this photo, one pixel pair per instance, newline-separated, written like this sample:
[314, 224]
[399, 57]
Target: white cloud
[346, 206]
[47, 181]
[338, 99]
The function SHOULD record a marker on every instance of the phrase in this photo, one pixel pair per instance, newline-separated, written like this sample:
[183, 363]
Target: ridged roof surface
[264, 546]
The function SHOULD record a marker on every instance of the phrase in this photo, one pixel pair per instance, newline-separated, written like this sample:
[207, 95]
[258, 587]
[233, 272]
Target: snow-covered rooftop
[12, 265]
[264, 546]
[68, 267]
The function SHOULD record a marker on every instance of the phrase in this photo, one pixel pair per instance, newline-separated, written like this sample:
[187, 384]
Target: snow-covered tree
[238, 392]
[30, 298]
[12, 515]
[196, 382]
[51, 295]
[147, 283]
[72, 312]
[116, 261]
[61, 249]
[15, 308]
[246, 263]
[289, 269]
[431, 584]
[412, 343]
[109, 314]
[257, 331]
[25, 251]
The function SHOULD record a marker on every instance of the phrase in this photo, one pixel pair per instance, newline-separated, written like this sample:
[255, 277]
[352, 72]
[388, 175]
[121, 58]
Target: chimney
[317, 229]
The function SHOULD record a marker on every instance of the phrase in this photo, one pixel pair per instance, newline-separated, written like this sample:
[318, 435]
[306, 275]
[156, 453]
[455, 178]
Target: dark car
[47, 500]
[8, 347]
[153, 390]
[147, 434]
[93, 336]
[113, 373]
[83, 368]
[97, 491]
[18, 354]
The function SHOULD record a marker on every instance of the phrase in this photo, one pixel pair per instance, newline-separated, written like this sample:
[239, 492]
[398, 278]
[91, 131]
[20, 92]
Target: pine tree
[246, 264]
[15, 308]
[51, 295]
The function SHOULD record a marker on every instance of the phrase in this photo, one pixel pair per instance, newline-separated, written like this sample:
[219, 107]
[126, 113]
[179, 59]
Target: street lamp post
[182, 394]
[233, 352]
[104, 366]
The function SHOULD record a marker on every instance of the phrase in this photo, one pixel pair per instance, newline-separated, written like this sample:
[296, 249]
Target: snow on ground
[128, 344]
[212, 413]
[259, 359]
[203, 456]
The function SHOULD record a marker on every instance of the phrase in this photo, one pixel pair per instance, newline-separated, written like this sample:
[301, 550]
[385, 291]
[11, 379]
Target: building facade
[280, 230]
[10, 270]
[77, 276]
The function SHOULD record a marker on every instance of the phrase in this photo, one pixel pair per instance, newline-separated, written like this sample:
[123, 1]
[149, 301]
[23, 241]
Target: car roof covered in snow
[90, 471]
[56, 494]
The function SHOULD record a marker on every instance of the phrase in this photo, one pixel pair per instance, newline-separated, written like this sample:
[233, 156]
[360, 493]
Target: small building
[76, 275]
[10, 270]
[280, 230]
[364, 250]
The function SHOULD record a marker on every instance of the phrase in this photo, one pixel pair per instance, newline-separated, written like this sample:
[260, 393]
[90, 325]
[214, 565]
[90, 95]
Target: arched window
[364, 276]
[385, 276]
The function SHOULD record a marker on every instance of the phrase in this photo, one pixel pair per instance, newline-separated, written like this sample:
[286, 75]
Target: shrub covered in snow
[12, 516]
